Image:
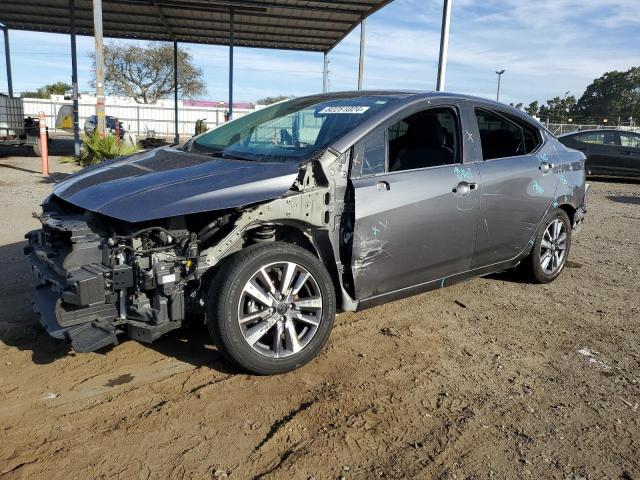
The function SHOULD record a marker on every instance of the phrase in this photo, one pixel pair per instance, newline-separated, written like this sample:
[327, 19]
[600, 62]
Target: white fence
[137, 119]
[561, 128]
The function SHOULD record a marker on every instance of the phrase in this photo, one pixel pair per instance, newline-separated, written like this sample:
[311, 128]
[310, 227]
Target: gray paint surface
[166, 182]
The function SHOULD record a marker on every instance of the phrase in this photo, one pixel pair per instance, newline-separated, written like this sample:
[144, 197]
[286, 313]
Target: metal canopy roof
[311, 25]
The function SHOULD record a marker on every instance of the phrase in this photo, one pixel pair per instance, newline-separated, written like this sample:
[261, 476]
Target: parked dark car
[267, 225]
[609, 152]
[91, 123]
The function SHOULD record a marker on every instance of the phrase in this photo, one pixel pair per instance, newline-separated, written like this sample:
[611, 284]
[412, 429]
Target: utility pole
[97, 28]
[444, 44]
[499, 73]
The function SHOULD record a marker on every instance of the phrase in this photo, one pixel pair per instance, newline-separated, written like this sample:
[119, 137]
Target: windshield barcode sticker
[345, 109]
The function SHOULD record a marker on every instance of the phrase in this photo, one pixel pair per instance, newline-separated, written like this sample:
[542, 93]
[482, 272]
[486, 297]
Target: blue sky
[546, 46]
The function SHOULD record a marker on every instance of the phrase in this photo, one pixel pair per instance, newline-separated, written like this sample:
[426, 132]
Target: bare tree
[146, 74]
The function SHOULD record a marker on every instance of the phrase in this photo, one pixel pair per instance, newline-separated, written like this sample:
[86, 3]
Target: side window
[503, 135]
[629, 139]
[593, 137]
[598, 138]
[375, 154]
[428, 138]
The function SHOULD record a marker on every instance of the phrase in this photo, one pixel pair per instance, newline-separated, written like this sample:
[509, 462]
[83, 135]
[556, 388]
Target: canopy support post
[444, 44]
[7, 58]
[361, 61]
[325, 73]
[176, 138]
[74, 79]
[97, 28]
[231, 40]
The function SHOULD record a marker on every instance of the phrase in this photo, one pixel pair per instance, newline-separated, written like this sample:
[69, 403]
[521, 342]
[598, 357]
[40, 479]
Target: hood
[166, 182]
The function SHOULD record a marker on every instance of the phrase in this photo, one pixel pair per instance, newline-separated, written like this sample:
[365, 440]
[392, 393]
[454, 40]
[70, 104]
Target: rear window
[503, 135]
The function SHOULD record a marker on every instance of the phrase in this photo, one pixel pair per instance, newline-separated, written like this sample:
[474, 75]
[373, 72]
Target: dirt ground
[493, 378]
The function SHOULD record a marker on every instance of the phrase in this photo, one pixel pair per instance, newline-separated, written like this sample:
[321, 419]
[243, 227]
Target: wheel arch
[313, 239]
[569, 210]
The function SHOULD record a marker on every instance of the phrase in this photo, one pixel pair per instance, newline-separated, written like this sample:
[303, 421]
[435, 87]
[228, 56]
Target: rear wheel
[271, 308]
[551, 248]
[36, 148]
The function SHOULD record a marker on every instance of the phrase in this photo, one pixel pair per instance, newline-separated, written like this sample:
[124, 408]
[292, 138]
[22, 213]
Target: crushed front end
[97, 278]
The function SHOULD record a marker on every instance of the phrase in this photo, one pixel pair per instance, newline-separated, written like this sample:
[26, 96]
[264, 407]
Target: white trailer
[15, 129]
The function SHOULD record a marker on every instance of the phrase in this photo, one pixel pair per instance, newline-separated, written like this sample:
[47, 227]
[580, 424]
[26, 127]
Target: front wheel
[551, 248]
[271, 307]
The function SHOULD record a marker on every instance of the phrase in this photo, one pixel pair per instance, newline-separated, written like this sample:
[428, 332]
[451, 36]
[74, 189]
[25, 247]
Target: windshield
[290, 131]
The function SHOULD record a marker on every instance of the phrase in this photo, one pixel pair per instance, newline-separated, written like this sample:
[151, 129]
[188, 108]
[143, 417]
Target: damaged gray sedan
[268, 224]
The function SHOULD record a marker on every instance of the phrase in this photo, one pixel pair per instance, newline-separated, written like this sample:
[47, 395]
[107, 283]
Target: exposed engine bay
[99, 276]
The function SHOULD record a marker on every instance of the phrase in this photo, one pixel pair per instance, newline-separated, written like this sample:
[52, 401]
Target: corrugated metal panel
[313, 25]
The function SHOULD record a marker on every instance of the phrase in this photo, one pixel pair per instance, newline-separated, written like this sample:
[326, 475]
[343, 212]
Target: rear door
[603, 156]
[517, 184]
[629, 153]
[416, 201]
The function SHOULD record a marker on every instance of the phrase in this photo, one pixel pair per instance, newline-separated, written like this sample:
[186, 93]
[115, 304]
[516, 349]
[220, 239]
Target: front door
[416, 203]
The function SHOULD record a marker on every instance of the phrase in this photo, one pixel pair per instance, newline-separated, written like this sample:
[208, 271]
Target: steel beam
[231, 40]
[74, 79]
[97, 27]
[361, 60]
[252, 6]
[325, 73]
[444, 44]
[176, 139]
[7, 58]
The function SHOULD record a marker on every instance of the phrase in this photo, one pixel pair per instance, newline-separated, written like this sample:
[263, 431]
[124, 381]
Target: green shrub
[96, 149]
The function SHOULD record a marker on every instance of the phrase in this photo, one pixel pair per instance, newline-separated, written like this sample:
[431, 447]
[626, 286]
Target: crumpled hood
[166, 182]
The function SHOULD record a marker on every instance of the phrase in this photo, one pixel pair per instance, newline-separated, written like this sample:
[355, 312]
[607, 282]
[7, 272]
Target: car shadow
[20, 328]
[511, 276]
[192, 344]
[603, 179]
[54, 177]
[58, 146]
[628, 199]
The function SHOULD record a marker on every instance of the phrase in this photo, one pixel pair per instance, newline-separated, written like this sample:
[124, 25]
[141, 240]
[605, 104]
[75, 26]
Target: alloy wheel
[553, 247]
[280, 309]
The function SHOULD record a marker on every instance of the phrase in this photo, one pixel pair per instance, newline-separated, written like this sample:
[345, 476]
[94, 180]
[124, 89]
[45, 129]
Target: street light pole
[499, 73]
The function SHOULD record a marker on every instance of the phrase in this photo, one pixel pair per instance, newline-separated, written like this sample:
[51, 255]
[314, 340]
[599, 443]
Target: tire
[36, 148]
[539, 267]
[278, 333]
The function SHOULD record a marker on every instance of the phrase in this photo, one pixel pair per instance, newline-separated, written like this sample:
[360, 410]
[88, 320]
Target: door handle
[463, 188]
[545, 167]
[383, 185]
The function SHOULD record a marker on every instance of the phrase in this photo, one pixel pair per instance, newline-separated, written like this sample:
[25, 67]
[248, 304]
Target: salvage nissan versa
[267, 225]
